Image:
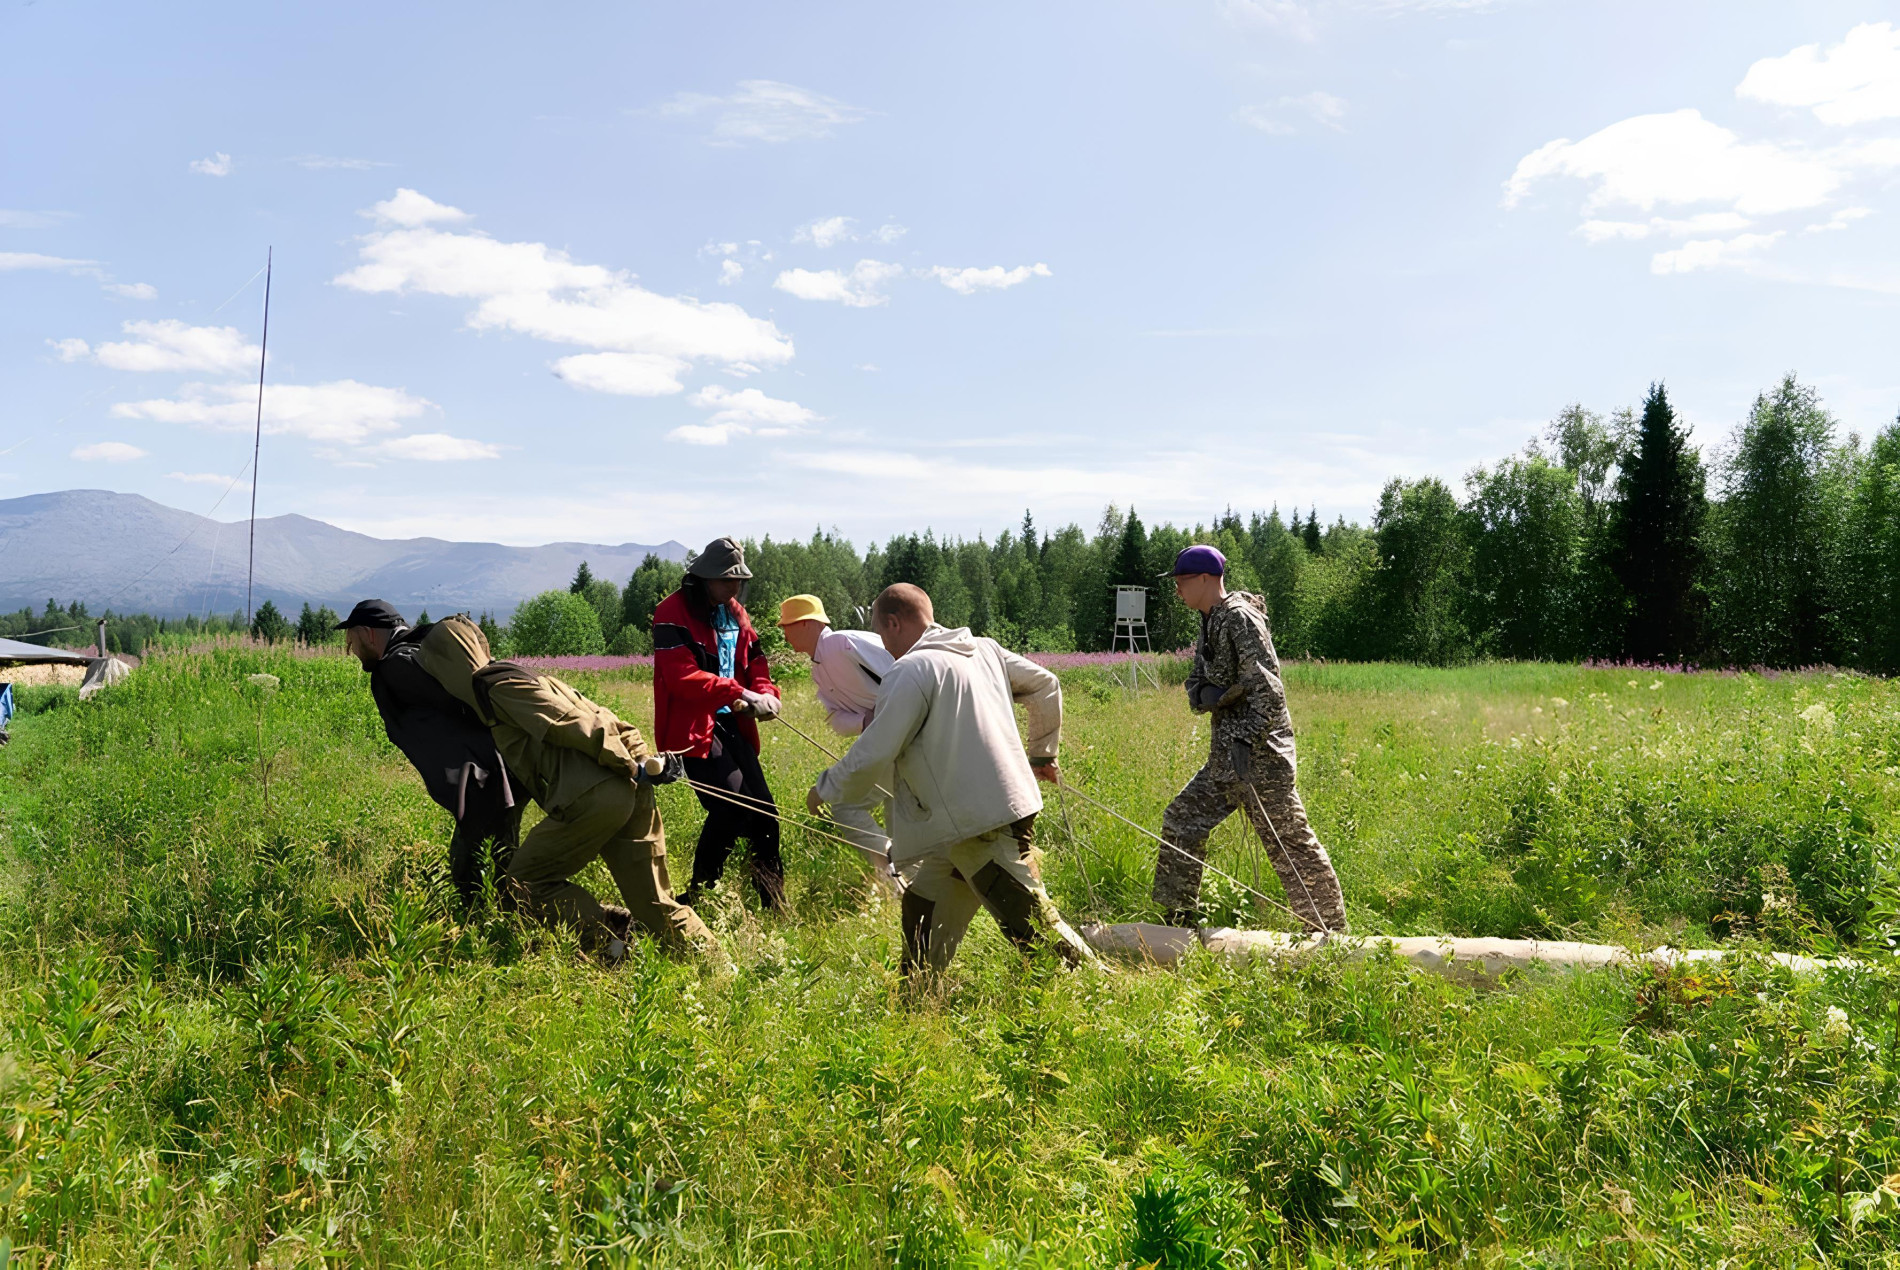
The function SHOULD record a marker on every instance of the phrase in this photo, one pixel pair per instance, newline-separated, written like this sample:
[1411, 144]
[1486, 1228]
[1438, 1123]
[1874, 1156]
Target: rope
[1184, 853]
[824, 749]
[1181, 851]
[763, 809]
[1288, 857]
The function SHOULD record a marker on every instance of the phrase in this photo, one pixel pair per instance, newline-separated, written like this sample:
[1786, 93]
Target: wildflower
[1837, 1028]
[1655, 685]
[1558, 702]
[1632, 683]
[1819, 716]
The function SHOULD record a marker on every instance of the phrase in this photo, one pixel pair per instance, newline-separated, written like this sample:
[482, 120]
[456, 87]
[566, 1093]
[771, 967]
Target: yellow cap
[802, 608]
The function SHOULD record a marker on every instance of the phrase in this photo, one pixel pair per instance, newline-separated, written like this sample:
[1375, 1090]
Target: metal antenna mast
[257, 440]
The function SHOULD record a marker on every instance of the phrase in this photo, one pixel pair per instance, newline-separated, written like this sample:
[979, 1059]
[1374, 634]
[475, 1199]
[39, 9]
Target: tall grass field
[242, 1022]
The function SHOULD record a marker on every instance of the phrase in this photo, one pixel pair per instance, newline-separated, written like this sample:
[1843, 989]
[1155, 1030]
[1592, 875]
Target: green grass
[241, 1026]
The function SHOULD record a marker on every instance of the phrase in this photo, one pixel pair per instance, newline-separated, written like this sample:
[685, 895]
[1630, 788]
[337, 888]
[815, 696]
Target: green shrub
[555, 624]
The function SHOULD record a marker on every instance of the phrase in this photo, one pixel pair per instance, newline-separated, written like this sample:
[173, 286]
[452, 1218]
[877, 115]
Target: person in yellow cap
[846, 668]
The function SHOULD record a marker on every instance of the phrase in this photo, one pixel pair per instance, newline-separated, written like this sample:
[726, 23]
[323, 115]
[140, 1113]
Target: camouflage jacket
[1236, 649]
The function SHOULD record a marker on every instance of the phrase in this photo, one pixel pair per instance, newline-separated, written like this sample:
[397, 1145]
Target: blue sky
[637, 272]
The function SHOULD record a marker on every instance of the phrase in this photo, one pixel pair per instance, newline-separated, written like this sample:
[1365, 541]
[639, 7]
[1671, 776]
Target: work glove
[1209, 695]
[674, 769]
[1240, 756]
[760, 705]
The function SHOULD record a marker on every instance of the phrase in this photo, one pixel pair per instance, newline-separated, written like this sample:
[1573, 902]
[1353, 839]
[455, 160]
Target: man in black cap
[451, 749]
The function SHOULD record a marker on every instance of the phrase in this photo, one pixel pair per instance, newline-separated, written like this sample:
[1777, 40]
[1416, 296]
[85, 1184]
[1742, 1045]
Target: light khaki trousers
[944, 889]
[619, 822]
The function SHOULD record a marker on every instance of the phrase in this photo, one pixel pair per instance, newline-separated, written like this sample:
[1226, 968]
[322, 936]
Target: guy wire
[257, 439]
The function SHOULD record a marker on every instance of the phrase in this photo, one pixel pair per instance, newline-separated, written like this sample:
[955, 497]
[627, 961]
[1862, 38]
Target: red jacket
[687, 686]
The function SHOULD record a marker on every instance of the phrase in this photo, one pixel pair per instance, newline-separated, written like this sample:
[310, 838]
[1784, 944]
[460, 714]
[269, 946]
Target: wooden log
[1474, 961]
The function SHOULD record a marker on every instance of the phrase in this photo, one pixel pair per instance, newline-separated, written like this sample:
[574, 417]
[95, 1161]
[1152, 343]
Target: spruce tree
[583, 578]
[1655, 537]
[1131, 557]
[1310, 534]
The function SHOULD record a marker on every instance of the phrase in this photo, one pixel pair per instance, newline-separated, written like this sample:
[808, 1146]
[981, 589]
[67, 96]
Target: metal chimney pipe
[102, 637]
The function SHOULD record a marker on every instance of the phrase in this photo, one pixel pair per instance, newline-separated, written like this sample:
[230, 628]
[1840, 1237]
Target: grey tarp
[14, 652]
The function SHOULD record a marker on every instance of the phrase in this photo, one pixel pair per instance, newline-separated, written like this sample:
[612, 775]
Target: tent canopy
[13, 652]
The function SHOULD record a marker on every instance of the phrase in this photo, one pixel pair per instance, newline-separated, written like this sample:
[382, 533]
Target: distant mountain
[135, 555]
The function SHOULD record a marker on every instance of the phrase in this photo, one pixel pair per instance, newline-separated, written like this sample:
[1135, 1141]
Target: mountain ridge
[133, 554]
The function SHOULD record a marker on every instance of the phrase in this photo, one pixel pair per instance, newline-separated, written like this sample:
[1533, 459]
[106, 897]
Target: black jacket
[451, 749]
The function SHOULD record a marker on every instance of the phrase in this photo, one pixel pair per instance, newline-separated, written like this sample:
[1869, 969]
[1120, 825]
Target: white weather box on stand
[1131, 634]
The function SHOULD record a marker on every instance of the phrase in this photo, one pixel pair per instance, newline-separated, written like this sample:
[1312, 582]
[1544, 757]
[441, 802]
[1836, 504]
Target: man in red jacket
[711, 684]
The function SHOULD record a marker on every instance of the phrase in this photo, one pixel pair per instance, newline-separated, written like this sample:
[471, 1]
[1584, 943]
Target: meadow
[241, 1022]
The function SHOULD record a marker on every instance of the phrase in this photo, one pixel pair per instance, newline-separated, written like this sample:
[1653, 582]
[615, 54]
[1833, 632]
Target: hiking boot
[617, 920]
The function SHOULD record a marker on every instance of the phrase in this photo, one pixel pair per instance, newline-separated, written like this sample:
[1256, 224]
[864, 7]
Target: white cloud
[730, 271]
[19, 260]
[70, 350]
[412, 210]
[1856, 81]
[1840, 220]
[763, 110]
[218, 164]
[627, 374]
[535, 290]
[16, 218]
[995, 278]
[1597, 231]
[204, 478]
[1291, 16]
[833, 230]
[745, 412]
[1712, 253]
[326, 162]
[109, 452]
[169, 344]
[860, 288]
[341, 411]
[1679, 158]
[34, 260]
[827, 232]
[436, 447]
[1321, 108]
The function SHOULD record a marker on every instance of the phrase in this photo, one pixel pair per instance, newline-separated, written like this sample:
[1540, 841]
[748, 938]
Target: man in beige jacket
[582, 763]
[964, 803]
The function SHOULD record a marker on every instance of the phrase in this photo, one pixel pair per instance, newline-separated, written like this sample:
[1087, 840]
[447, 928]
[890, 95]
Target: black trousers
[481, 846]
[732, 766]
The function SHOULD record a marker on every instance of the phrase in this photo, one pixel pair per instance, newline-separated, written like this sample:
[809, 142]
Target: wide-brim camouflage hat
[722, 558]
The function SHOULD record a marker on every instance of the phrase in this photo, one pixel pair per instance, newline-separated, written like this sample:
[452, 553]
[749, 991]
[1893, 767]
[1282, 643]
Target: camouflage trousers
[1273, 805]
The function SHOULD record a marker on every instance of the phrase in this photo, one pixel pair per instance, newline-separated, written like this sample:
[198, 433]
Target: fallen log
[1473, 961]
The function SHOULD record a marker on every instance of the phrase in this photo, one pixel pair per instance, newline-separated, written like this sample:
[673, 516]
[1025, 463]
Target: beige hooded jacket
[946, 718]
[561, 743]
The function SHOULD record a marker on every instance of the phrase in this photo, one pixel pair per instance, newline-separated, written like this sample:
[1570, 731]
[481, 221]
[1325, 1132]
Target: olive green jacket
[552, 737]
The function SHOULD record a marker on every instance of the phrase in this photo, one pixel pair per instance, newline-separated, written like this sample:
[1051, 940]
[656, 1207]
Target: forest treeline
[1607, 537]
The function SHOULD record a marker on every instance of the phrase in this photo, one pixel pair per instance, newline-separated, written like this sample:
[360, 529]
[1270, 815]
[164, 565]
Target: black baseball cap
[375, 614]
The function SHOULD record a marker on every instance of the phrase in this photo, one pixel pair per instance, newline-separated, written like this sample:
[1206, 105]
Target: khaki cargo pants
[944, 889]
[619, 822]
